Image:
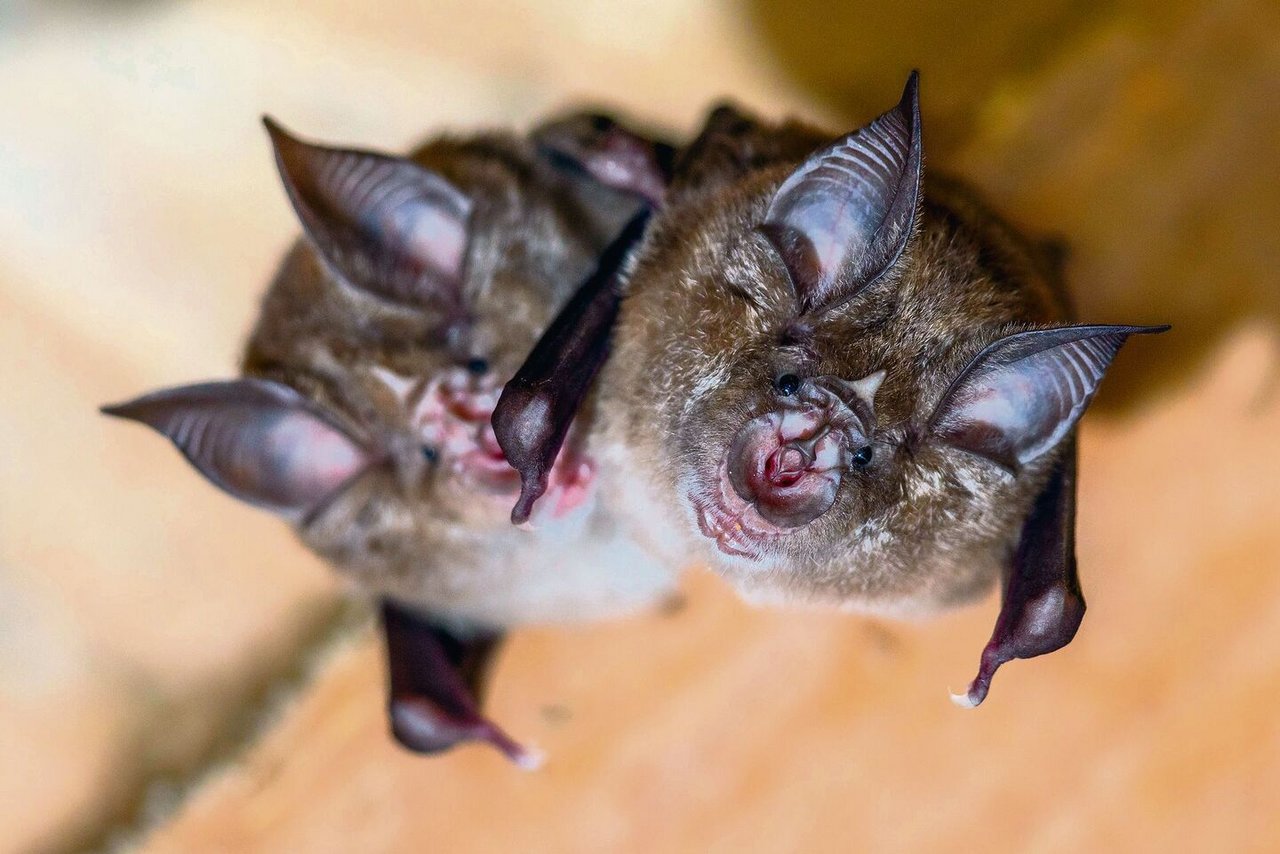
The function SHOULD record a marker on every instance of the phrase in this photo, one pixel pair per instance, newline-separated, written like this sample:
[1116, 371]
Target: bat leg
[436, 679]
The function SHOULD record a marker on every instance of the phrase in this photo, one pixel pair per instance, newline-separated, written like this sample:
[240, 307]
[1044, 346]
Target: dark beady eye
[787, 384]
[862, 457]
[477, 365]
[430, 453]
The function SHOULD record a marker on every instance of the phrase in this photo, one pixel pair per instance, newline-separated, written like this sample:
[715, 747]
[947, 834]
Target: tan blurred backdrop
[176, 673]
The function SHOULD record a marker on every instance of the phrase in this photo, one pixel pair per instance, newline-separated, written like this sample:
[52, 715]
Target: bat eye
[430, 453]
[862, 457]
[787, 384]
[477, 366]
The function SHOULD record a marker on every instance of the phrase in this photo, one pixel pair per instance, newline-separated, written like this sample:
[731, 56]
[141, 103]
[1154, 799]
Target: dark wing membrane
[1043, 604]
[436, 679]
[538, 405]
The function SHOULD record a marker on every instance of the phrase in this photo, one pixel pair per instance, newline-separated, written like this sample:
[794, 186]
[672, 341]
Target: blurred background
[177, 674]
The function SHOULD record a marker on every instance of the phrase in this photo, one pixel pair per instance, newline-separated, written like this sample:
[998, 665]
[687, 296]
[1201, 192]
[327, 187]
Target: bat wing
[436, 680]
[538, 405]
[1043, 604]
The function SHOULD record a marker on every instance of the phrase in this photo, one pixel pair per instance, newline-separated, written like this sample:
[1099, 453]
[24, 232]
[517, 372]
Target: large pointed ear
[1022, 394]
[1042, 605]
[842, 219]
[387, 225]
[260, 441]
[611, 153]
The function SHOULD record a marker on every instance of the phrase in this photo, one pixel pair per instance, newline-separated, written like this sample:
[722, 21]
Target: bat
[846, 384]
[363, 414]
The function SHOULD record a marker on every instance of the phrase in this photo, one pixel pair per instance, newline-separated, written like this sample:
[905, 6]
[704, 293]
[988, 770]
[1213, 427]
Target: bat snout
[790, 477]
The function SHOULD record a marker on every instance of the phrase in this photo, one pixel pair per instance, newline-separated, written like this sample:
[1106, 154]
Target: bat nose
[786, 465]
[793, 499]
[790, 483]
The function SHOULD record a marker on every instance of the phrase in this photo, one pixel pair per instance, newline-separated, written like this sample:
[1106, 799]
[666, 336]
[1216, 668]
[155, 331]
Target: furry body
[420, 531]
[923, 525]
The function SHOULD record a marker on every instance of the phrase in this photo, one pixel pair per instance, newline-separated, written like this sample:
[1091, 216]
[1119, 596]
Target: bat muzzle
[789, 464]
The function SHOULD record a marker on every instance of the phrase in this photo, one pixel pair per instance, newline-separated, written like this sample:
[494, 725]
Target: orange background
[177, 673]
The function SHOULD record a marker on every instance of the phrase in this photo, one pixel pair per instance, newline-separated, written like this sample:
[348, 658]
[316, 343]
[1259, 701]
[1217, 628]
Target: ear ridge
[845, 216]
[259, 441]
[1024, 392]
[386, 224]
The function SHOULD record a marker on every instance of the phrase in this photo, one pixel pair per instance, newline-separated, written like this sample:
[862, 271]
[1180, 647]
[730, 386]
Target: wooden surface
[725, 729]
[146, 621]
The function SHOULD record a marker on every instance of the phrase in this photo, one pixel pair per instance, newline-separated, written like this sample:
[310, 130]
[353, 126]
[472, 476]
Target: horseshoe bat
[848, 384]
[363, 414]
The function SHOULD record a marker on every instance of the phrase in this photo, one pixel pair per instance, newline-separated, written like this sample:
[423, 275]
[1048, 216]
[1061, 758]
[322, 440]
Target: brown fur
[707, 325]
[403, 529]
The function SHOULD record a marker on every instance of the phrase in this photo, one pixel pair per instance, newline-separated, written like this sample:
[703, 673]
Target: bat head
[612, 154]
[860, 391]
[418, 287]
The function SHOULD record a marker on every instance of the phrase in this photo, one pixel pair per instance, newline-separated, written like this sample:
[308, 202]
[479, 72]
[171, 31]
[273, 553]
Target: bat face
[375, 365]
[799, 447]
[863, 388]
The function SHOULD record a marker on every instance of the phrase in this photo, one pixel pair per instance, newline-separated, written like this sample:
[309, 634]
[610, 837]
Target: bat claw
[529, 759]
[532, 487]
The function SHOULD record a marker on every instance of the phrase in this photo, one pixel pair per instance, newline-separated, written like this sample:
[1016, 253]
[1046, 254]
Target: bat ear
[1042, 605]
[386, 224]
[842, 219]
[260, 441]
[611, 153]
[1022, 394]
